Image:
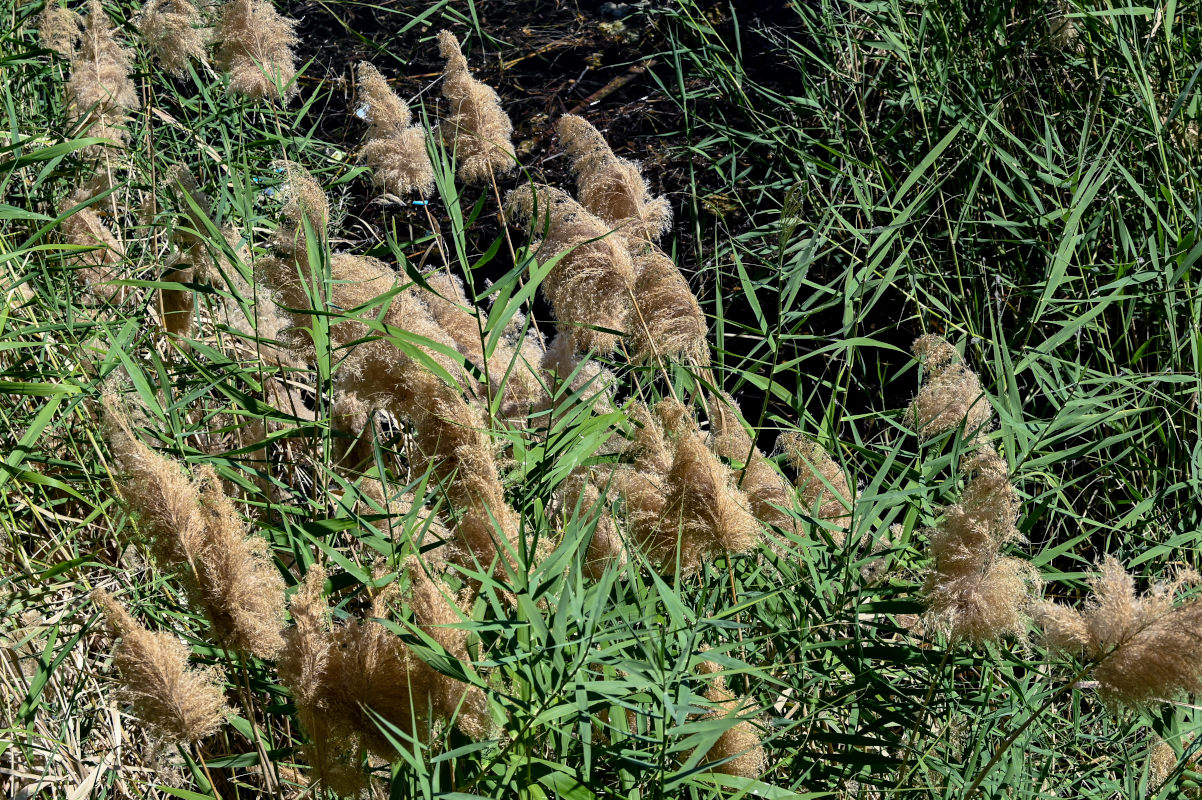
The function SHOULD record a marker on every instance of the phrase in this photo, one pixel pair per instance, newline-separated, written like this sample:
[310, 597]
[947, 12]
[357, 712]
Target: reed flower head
[395, 149]
[100, 264]
[590, 287]
[255, 46]
[100, 93]
[177, 704]
[174, 32]
[59, 29]
[194, 525]
[971, 591]
[952, 395]
[612, 188]
[669, 322]
[741, 743]
[767, 490]
[477, 129]
[1145, 648]
[821, 482]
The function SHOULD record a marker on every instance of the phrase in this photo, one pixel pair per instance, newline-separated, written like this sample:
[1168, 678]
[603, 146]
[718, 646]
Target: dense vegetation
[358, 442]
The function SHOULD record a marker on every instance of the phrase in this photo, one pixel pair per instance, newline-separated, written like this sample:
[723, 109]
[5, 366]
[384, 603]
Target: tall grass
[844, 179]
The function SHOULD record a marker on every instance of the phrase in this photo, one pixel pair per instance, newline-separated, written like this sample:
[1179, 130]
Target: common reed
[768, 491]
[971, 591]
[669, 322]
[821, 483]
[477, 129]
[589, 288]
[100, 93]
[99, 264]
[682, 503]
[59, 29]
[255, 46]
[450, 436]
[742, 743]
[952, 395]
[178, 704]
[612, 188]
[580, 498]
[1144, 649]
[194, 526]
[395, 148]
[175, 33]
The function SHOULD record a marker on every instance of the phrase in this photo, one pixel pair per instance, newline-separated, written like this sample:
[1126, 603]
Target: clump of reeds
[59, 29]
[178, 704]
[477, 129]
[951, 396]
[972, 591]
[450, 435]
[612, 188]
[1144, 648]
[740, 749]
[175, 33]
[395, 149]
[821, 482]
[194, 527]
[668, 320]
[580, 498]
[100, 93]
[589, 288]
[255, 46]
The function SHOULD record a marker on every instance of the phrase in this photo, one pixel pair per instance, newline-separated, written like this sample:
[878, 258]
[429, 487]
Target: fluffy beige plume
[100, 93]
[395, 149]
[59, 29]
[590, 286]
[971, 591]
[194, 525]
[513, 368]
[177, 704]
[567, 367]
[579, 498]
[100, 264]
[478, 130]
[610, 187]
[742, 743]
[768, 491]
[669, 322]
[951, 396]
[341, 675]
[175, 33]
[681, 500]
[255, 48]
[1146, 649]
[820, 481]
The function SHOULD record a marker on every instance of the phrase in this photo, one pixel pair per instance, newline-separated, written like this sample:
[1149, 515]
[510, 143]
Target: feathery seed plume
[767, 490]
[174, 32]
[590, 287]
[971, 591]
[192, 523]
[59, 29]
[951, 396]
[669, 321]
[477, 129]
[395, 149]
[1145, 649]
[820, 481]
[256, 48]
[99, 265]
[100, 93]
[178, 704]
[579, 498]
[612, 188]
[742, 742]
